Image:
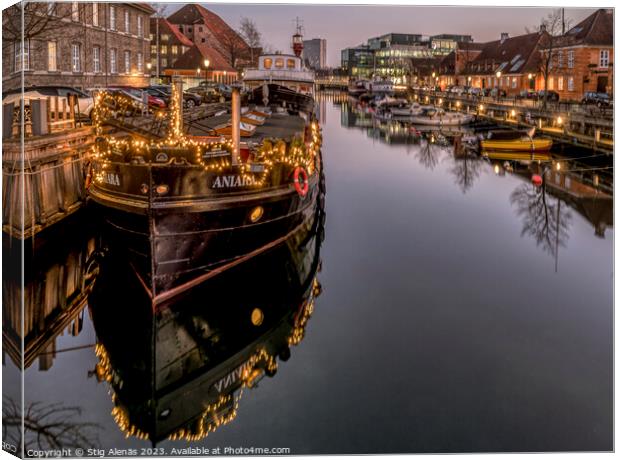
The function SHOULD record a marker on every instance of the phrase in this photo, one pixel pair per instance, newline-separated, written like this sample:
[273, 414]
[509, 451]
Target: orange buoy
[537, 180]
[300, 179]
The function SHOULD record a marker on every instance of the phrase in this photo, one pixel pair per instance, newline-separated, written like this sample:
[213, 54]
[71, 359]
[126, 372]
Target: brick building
[77, 44]
[582, 59]
[515, 59]
[172, 45]
[452, 69]
[201, 26]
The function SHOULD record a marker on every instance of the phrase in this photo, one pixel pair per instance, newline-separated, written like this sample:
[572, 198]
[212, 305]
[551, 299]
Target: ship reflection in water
[179, 370]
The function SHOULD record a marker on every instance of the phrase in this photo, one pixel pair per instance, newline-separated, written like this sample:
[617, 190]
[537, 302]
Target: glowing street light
[206, 63]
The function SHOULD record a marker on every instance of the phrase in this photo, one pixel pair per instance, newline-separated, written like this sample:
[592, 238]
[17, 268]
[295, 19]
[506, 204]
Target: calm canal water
[461, 310]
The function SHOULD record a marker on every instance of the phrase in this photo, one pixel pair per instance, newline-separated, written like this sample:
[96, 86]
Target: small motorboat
[439, 117]
[522, 144]
[515, 141]
[411, 110]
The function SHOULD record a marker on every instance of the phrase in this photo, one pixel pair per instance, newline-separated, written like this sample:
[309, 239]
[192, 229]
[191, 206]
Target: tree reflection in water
[466, 170]
[428, 154]
[548, 222]
[47, 426]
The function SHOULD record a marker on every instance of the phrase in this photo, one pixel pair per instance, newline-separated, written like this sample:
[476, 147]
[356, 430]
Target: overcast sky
[345, 26]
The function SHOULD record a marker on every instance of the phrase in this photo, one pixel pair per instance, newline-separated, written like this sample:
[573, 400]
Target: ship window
[279, 63]
[290, 63]
[267, 63]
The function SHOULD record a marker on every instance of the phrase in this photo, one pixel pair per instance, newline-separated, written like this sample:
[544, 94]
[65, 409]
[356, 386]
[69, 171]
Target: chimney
[543, 28]
[503, 37]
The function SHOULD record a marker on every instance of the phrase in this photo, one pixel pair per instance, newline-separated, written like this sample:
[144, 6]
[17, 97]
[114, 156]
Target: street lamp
[498, 75]
[206, 63]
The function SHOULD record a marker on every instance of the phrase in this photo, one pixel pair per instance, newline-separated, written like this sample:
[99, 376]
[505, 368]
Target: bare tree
[234, 48]
[251, 35]
[46, 426]
[466, 170]
[552, 28]
[41, 21]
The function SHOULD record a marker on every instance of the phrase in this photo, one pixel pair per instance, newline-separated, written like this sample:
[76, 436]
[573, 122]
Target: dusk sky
[347, 25]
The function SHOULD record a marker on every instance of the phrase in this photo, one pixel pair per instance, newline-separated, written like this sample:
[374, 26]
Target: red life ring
[89, 177]
[301, 187]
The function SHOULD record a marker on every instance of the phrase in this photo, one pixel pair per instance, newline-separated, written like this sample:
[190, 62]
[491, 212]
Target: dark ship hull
[284, 97]
[179, 372]
[179, 240]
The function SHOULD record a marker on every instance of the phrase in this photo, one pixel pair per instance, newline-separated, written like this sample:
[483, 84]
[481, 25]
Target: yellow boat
[517, 145]
[516, 156]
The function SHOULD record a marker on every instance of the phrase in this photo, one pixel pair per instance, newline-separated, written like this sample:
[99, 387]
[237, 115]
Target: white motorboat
[411, 110]
[380, 86]
[439, 117]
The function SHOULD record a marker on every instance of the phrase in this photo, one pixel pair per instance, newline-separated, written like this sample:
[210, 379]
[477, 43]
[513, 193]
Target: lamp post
[206, 63]
[498, 75]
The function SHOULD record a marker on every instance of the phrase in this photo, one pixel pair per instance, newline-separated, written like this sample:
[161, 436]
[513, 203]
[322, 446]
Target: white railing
[294, 75]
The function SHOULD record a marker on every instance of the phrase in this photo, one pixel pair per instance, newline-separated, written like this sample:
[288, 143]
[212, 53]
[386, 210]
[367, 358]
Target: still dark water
[462, 310]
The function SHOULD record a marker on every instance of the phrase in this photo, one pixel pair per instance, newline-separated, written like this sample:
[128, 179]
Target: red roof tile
[167, 27]
[195, 56]
[596, 29]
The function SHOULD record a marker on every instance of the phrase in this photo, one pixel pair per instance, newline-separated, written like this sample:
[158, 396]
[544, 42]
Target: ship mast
[298, 42]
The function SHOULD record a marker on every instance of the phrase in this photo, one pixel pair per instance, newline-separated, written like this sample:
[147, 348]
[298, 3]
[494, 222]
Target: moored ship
[190, 206]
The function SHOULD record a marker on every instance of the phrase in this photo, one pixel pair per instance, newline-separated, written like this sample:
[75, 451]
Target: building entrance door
[601, 85]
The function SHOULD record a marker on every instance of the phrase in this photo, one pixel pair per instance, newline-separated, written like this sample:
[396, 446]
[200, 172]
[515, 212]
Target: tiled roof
[197, 14]
[166, 27]
[514, 55]
[596, 29]
[195, 56]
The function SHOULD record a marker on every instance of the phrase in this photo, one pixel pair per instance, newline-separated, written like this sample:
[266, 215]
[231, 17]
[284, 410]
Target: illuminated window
[279, 63]
[267, 63]
[290, 63]
[165, 37]
[174, 49]
[550, 85]
[164, 49]
[51, 56]
[571, 84]
[514, 82]
[560, 83]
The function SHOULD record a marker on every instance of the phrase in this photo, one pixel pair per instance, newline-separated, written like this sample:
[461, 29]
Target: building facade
[167, 45]
[582, 60]
[394, 55]
[315, 53]
[83, 45]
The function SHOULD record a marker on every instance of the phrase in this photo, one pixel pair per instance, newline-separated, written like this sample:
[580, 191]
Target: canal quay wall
[51, 172]
[568, 124]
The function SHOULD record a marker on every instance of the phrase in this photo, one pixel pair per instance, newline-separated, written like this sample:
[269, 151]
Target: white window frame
[560, 83]
[560, 59]
[140, 62]
[127, 61]
[75, 11]
[76, 57]
[113, 61]
[571, 84]
[603, 59]
[140, 27]
[52, 56]
[126, 16]
[570, 59]
[96, 14]
[97, 59]
[112, 17]
[22, 62]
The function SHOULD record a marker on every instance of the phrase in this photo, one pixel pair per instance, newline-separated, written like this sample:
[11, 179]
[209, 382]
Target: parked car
[189, 99]
[551, 95]
[154, 102]
[458, 90]
[85, 101]
[599, 99]
[494, 91]
[473, 91]
[528, 94]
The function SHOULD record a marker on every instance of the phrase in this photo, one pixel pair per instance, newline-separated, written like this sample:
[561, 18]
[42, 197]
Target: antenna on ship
[298, 42]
